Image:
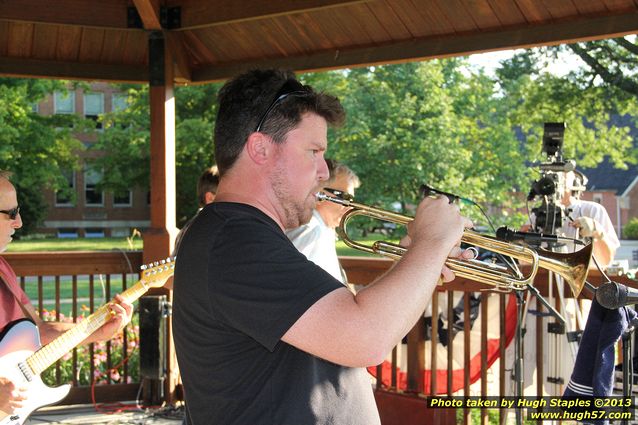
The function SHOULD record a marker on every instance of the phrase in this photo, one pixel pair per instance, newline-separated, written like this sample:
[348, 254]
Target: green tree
[428, 123]
[614, 61]
[534, 96]
[37, 149]
[124, 146]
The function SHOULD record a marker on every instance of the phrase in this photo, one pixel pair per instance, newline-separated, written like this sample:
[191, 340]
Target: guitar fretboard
[47, 355]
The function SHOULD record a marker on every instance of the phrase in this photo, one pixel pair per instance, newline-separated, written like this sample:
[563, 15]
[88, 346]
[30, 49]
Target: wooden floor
[87, 414]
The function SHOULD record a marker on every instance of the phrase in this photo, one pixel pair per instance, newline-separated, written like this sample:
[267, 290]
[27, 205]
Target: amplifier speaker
[153, 312]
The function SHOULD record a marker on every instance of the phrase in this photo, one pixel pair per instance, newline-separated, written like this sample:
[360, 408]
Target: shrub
[631, 229]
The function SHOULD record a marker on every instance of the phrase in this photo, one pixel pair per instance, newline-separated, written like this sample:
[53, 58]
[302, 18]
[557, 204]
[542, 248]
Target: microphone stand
[518, 339]
[518, 342]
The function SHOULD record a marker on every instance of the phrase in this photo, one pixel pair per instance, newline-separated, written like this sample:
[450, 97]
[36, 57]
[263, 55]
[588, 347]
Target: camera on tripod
[551, 186]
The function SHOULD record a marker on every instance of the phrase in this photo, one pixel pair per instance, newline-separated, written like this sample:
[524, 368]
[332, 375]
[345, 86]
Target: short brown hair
[207, 182]
[249, 97]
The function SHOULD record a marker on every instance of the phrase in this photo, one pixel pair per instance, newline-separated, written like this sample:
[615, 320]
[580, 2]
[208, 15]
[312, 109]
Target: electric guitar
[23, 359]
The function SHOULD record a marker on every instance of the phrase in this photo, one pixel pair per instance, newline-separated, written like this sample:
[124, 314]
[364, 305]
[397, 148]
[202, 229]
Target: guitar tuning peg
[156, 263]
[163, 262]
[143, 267]
[168, 259]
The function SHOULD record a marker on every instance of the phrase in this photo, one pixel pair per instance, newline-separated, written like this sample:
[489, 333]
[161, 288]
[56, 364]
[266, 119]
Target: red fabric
[402, 409]
[457, 374]
[9, 308]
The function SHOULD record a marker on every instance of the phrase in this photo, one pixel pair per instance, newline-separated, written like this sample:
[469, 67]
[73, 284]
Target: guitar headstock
[156, 274]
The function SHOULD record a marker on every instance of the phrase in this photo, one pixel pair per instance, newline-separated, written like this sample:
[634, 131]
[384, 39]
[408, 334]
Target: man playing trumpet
[264, 336]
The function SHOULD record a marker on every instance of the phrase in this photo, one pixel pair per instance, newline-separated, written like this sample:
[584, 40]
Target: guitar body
[22, 359]
[19, 341]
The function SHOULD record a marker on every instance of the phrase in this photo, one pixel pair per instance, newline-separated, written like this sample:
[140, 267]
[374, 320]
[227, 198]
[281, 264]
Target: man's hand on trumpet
[439, 222]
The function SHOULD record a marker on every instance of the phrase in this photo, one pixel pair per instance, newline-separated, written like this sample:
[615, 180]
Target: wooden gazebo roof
[213, 39]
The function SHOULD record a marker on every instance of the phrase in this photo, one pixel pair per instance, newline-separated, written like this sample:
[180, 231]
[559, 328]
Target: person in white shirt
[316, 239]
[586, 219]
[589, 219]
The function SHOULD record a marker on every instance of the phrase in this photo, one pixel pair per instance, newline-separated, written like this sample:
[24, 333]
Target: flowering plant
[121, 350]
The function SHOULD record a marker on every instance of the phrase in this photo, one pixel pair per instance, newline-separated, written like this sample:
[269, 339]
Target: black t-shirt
[239, 285]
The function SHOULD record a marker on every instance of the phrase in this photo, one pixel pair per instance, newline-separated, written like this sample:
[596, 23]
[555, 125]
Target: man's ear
[209, 197]
[258, 147]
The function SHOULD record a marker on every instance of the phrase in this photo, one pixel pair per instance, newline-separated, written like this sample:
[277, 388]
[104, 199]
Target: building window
[67, 233]
[94, 107]
[35, 108]
[64, 103]
[92, 196]
[64, 197]
[94, 233]
[119, 102]
[122, 199]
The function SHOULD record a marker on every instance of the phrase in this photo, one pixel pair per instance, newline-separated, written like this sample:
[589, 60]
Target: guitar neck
[47, 355]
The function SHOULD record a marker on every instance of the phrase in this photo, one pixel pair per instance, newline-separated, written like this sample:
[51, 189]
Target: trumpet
[572, 267]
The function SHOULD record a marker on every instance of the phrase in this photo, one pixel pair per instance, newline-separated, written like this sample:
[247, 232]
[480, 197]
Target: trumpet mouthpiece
[322, 196]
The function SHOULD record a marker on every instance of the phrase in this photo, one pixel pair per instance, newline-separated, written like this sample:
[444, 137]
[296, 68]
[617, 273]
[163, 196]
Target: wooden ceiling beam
[149, 11]
[200, 14]
[98, 14]
[440, 47]
[181, 61]
[194, 13]
[31, 68]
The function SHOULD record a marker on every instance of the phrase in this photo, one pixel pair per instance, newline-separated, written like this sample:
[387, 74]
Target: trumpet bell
[572, 267]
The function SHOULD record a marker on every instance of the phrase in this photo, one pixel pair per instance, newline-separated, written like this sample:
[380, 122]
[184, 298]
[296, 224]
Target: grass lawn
[83, 291]
[108, 244]
[343, 249]
[66, 285]
[80, 244]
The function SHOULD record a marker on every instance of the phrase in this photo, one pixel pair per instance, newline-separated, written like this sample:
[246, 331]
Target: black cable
[427, 190]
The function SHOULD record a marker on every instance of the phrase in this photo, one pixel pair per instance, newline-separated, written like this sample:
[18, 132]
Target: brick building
[616, 190]
[91, 213]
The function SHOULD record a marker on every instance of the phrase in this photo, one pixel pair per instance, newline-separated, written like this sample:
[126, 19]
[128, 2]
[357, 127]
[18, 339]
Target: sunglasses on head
[13, 213]
[290, 88]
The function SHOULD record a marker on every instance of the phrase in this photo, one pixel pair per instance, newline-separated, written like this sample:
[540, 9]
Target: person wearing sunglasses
[15, 304]
[262, 334]
[316, 239]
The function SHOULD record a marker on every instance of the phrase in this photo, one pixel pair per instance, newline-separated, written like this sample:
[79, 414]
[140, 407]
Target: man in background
[589, 220]
[206, 190]
[585, 219]
[316, 239]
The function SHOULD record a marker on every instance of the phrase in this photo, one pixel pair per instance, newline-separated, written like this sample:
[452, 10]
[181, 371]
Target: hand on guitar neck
[121, 312]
